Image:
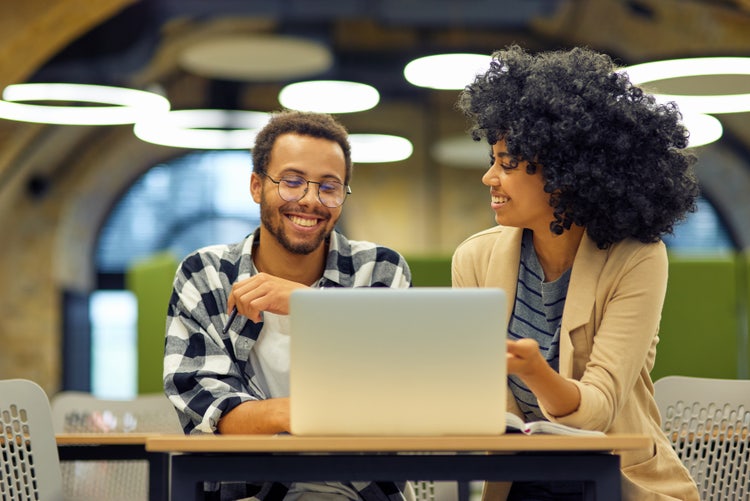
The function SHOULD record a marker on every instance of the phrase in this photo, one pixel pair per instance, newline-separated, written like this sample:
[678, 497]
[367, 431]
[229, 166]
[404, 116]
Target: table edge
[289, 443]
[104, 438]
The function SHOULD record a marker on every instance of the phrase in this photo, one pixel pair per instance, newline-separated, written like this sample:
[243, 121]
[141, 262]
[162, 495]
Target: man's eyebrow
[291, 170]
[301, 173]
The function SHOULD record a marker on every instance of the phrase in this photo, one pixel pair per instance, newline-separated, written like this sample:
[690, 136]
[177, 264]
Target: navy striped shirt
[537, 314]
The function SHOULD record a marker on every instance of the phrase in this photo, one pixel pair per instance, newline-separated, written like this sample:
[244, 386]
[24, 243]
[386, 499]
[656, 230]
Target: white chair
[427, 490]
[708, 422]
[80, 412]
[29, 465]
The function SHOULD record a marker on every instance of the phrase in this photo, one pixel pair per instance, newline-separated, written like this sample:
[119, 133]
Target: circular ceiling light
[696, 67]
[123, 106]
[704, 129]
[203, 129]
[329, 96]
[256, 58]
[377, 148]
[446, 71]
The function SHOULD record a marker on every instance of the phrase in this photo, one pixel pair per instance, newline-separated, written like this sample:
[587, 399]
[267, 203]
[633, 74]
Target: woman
[587, 173]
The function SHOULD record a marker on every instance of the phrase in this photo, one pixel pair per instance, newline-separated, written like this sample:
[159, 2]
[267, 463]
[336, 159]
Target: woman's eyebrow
[505, 156]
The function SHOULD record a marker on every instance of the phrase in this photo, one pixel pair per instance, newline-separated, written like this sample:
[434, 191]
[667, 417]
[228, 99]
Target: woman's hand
[555, 393]
[524, 358]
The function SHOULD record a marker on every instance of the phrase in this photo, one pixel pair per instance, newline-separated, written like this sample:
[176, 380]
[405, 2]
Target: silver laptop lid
[380, 361]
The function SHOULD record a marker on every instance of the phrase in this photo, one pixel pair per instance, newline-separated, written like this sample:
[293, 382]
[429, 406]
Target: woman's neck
[557, 252]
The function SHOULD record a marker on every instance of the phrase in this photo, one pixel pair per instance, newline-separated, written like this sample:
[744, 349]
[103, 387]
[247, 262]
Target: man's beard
[278, 232]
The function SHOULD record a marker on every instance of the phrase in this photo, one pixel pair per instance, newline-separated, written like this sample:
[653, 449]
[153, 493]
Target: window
[113, 317]
[193, 201]
[179, 206]
[703, 232]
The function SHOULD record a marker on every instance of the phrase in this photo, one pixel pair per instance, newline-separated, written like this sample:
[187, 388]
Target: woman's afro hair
[613, 160]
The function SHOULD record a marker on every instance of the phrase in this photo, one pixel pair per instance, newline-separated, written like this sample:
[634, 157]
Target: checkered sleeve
[204, 369]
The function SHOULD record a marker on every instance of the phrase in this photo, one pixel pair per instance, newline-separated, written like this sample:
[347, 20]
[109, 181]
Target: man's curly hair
[304, 123]
[613, 160]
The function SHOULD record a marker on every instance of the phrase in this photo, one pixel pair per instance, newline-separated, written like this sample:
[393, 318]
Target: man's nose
[311, 194]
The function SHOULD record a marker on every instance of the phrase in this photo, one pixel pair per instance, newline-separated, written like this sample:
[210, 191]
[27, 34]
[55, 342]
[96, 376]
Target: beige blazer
[608, 339]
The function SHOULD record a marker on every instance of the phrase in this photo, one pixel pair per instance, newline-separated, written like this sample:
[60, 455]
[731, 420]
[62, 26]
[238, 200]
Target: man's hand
[261, 292]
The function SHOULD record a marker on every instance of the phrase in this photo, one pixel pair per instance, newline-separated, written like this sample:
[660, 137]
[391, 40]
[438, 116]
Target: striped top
[537, 314]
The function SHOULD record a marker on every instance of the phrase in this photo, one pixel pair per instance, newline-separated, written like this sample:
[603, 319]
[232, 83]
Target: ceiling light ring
[703, 128]
[120, 105]
[197, 129]
[207, 129]
[711, 105]
[653, 71]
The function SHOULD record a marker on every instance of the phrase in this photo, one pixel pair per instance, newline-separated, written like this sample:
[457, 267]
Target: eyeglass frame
[347, 191]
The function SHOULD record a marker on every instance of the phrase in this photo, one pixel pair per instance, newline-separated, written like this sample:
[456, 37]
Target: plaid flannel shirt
[207, 373]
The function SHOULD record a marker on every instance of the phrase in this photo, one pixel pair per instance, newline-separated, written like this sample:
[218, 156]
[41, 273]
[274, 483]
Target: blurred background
[93, 219]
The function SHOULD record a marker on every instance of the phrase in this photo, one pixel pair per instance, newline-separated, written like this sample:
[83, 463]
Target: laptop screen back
[379, 361]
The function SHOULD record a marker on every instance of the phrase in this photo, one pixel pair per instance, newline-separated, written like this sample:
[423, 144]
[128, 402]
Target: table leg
[158, 476]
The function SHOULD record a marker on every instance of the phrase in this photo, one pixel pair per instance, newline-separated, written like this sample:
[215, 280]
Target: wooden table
[588, 459]
[118, 446]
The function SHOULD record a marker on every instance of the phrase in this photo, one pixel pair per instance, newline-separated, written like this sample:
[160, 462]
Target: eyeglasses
[331, 194]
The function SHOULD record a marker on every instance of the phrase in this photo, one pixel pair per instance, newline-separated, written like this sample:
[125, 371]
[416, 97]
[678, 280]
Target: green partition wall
[702, 318]
[151, 282]
[703, 330]
[430, 271]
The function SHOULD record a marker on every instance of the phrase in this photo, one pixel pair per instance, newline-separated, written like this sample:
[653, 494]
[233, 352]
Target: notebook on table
[380, 361]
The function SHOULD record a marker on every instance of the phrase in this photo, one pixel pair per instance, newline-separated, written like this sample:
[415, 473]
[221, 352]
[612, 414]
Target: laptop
[427, 361]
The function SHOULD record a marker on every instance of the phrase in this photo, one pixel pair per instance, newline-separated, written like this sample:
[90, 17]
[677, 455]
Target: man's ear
[256, 186]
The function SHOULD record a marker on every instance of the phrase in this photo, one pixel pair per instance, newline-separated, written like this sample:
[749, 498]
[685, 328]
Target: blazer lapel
[579, 304]
[504, 263]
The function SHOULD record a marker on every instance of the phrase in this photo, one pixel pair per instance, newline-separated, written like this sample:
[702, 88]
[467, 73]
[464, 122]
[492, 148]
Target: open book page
[514, 423]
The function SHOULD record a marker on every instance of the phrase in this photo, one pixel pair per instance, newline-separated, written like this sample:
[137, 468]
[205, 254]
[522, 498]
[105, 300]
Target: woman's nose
[490, 178]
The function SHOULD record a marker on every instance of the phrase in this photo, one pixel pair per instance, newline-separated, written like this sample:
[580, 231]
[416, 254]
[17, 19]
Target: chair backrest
[126, 480]
[429, 490]
[29, 464]
[708, 423]
[81, 412]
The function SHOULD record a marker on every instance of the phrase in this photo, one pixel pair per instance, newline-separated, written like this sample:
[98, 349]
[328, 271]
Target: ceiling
[146, 45]
[370, 41]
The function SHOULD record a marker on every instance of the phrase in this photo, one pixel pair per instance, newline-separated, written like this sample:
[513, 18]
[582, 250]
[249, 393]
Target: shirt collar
[339, 269]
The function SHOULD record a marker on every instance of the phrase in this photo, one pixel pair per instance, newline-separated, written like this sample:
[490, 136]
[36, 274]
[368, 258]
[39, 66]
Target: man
[232, 376]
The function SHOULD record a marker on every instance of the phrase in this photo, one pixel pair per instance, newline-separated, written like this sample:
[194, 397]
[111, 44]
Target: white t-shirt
[272, 354]
[270, 358]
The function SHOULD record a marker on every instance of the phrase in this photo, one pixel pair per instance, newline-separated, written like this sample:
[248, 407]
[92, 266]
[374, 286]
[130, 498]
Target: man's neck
[271, 257]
